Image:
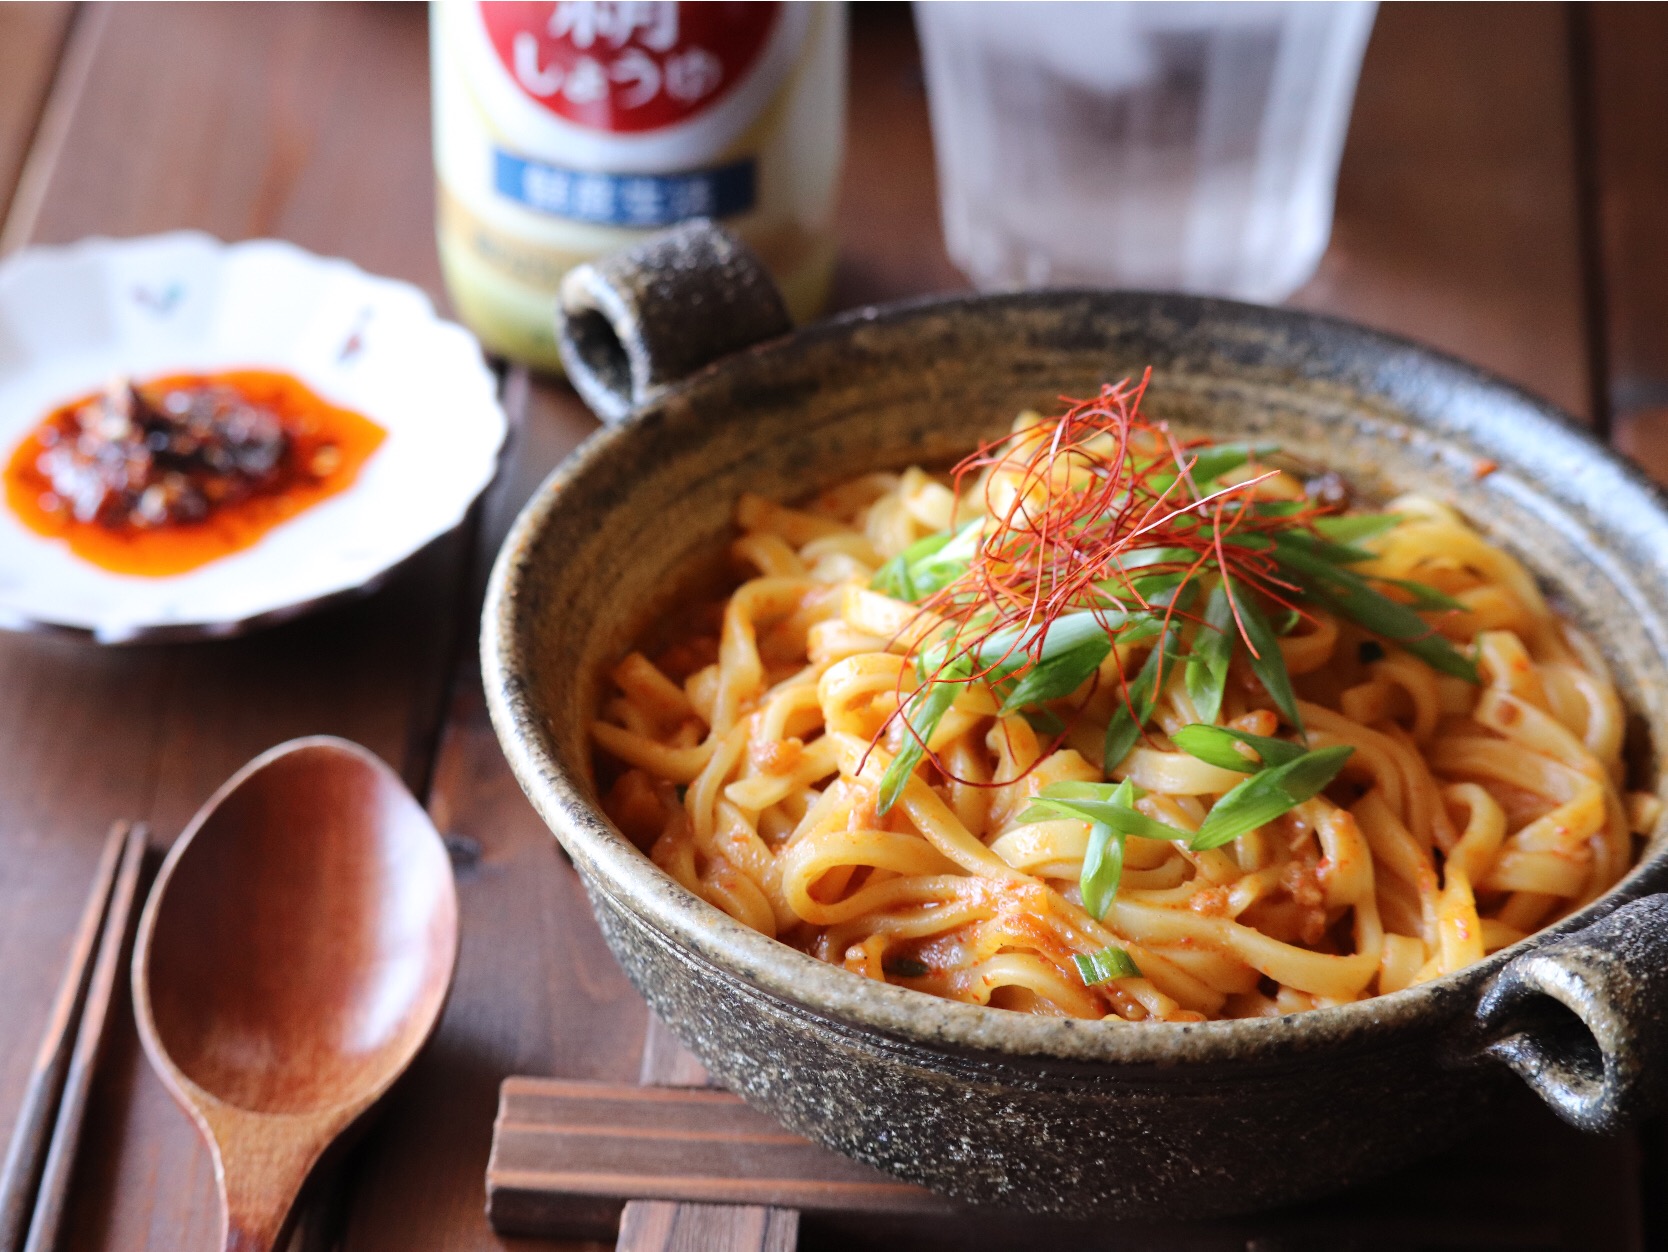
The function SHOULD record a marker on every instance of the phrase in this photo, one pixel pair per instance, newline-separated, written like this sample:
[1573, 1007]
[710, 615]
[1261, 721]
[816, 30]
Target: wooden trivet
[568, 1155]
[679, 1166]
[672, 1163]
[655, 1225]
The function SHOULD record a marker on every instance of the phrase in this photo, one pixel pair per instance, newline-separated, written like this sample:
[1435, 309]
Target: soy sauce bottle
[565, 130]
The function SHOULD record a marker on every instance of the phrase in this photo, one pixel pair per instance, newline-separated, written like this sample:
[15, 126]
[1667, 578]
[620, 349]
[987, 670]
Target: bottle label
[565, 129]
[625, 68]
[649, 87]
[625, 199]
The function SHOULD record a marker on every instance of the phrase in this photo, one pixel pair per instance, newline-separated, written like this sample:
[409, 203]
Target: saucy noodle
[1478, 797]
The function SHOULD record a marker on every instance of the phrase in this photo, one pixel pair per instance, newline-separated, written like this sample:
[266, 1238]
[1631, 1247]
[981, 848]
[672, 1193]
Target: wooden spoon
[293, 957]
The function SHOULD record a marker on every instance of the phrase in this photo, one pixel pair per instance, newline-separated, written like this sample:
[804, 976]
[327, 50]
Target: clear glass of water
[1184, 146]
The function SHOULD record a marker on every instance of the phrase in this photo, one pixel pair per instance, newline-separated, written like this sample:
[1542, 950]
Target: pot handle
[632, 323]
[1584, 1019]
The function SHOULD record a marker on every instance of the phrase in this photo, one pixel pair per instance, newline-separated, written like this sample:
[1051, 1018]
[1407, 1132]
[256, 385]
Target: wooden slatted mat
[567, 1156]
[660, 1226]
[557, 1142]
[649, 1225]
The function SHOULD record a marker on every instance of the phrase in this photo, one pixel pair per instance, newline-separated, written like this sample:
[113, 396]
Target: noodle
[751, 767]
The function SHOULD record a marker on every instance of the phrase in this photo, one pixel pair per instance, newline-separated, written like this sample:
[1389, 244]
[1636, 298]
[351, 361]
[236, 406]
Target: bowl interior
[604, 548]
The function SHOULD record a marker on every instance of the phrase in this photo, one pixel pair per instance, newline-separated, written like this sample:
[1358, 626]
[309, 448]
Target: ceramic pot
[1067, 1117]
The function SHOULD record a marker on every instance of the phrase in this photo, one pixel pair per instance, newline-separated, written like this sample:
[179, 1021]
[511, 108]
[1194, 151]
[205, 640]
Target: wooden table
[1504, 196]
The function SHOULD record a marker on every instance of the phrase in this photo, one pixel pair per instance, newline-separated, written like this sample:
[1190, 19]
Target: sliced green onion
[1121, 816]
[1215, 745]
[1103, 867]
[1072, 789]
[1103, 966]
[1066, 632]
[1213, 649]
[893, 578]
[927, 565]
[1267, 662]
[1266, 795]
[1180, 597]
[1046, 722]
[1279, 508]
[926, 709]
[1149, 585]
[1215, 460]
[1353, 527]
[1059, 675]
[1145, 558]
[1433, 649]
[1350, 595]
[1132, 713]
[1326, 550]
[1424, 595]
[1140, 628]
[940, 567]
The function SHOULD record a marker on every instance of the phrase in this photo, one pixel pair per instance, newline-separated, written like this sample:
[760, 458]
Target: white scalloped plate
[72, 317]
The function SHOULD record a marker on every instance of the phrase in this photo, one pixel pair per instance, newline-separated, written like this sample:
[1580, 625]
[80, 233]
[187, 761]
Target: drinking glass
[1188, 146]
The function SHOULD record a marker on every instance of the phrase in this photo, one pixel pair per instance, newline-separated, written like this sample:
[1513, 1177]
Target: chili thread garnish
[1106, 514]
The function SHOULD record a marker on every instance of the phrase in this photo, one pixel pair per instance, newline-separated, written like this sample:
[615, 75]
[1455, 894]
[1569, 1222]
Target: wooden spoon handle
[264, 1167]
[259, 1226]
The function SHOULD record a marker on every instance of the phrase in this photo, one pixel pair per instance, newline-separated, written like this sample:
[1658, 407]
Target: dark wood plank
[655, 1226]
[561, 1146]
[646, 1225]
[1627, 73]
[1624, 68]
[666, 1062]
[891, 246]
[306, 121]
[32, 1134]
[536, 990]
[1458, 217]
[31, 40]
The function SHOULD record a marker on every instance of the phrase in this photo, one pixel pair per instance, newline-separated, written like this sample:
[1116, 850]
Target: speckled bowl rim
[612, 865]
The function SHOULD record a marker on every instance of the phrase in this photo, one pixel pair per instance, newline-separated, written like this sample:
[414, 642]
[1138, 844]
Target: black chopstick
[48, 1126]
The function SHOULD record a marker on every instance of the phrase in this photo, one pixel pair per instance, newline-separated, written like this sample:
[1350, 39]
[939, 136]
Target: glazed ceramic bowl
[1069, 1117]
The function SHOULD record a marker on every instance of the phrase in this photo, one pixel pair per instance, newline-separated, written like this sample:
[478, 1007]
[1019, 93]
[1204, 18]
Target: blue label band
[625, 199]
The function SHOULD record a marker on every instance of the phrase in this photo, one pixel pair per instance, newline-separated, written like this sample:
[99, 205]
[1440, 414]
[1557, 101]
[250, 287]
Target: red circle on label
[626, 67]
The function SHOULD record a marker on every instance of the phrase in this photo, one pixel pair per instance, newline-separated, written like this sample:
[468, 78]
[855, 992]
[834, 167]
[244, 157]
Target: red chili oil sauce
[324, 447]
